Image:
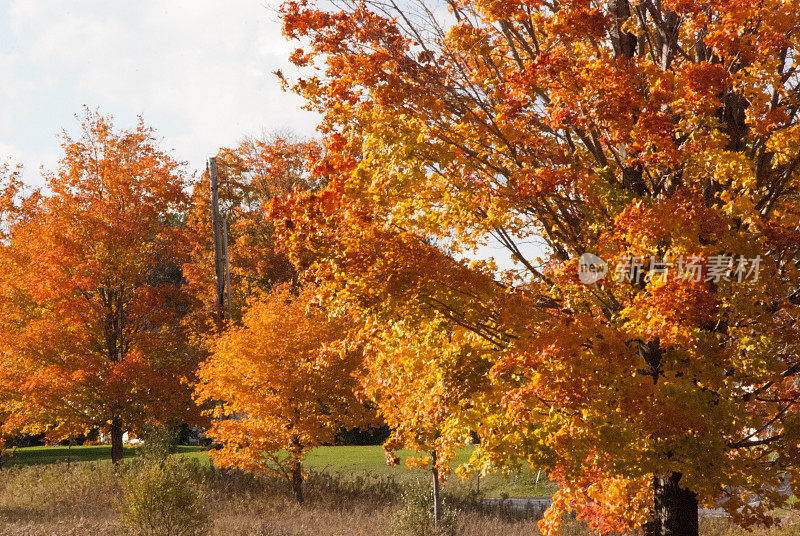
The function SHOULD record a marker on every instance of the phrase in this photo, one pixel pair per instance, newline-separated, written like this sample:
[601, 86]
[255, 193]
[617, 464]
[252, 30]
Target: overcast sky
[198, 71]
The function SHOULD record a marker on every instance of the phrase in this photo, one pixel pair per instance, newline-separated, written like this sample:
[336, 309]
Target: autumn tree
[92, 331]
[11, 189]
[250, 174]
[659, 136]
[282, 382]
[421, 377]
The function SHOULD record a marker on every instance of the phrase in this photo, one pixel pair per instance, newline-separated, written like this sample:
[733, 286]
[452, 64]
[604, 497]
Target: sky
[199, 72]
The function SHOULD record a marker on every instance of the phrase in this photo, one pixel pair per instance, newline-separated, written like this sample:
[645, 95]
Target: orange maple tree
[11, 188]
[92, 332]
[282, 383]
[662, 137]
[249, 175]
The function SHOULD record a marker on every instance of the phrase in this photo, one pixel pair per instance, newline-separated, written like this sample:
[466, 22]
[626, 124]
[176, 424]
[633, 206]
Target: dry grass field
[84, 499]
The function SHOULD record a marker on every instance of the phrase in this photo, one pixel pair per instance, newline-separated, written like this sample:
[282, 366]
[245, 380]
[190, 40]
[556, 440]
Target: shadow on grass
[83, 453]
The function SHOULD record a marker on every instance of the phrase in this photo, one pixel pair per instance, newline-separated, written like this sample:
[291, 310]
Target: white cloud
[199, 72]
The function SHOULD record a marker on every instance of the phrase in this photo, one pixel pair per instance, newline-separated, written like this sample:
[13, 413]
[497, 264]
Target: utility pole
[219, 244]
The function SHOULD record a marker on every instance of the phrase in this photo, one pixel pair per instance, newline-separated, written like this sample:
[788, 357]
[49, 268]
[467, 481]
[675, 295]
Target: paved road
[537, 505]
[522, 504]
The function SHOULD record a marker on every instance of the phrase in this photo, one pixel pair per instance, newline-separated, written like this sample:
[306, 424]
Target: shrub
[414, 516]
[159, 442]
[161, 499]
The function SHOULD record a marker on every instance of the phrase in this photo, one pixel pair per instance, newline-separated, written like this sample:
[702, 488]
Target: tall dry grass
[76, 499]
[82, 500]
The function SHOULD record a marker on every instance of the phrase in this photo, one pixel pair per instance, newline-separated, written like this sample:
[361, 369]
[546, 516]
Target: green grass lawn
[55, 454]
[370, 462]
[349, 462]
[84, 453]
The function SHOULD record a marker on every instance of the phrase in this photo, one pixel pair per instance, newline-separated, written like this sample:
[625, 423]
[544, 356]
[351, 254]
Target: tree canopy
[250, 175]
[660, 136]
[92, 331]
[282, 383]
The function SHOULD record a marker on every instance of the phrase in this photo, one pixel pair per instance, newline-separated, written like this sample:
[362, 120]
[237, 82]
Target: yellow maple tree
[282, 383]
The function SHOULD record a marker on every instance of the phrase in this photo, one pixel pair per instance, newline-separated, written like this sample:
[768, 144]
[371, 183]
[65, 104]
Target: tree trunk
[437, 500]
[297, 481]
[116, 439]
[674, 509]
